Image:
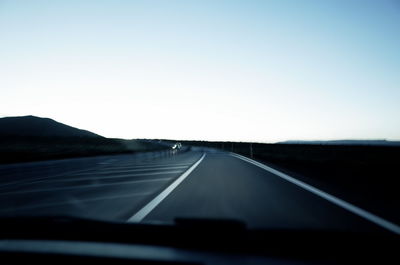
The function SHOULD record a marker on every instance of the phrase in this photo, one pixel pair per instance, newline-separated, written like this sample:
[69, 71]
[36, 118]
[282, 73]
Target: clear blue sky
[216, 70]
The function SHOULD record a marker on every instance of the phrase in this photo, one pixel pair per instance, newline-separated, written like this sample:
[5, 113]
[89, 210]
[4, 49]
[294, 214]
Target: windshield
[278, 114]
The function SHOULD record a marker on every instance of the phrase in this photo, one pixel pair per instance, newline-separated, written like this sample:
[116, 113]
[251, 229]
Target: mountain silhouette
[39, 127]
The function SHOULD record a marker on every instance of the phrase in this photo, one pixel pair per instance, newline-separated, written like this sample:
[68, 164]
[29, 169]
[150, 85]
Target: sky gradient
[261, 71]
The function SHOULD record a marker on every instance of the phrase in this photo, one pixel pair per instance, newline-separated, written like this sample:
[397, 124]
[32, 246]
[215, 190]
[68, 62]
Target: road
[160, 187]
[107, 188]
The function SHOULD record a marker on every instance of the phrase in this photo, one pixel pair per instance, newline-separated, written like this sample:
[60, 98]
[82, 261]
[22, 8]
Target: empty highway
[159, 187]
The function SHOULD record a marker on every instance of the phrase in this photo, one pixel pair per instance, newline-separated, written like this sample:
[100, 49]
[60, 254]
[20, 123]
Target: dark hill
[39, 127]
[30, 138]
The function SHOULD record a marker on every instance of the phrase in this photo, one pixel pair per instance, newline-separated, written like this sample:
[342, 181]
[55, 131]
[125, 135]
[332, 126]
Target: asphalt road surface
[107, 188]
[158, 187]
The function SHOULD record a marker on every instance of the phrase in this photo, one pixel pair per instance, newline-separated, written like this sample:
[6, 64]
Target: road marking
[146, 166]
[93, 168]
[23, 181]
[75, 201]
[107, 162]
[117, 171]
[95, 172]
[339, 202]
[84, 186]
[142, 213]
[95, 177]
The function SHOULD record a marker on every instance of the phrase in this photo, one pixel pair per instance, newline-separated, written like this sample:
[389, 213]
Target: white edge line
[142, 213]
[109, 176]
[339, 202]
[51, 204]
[86, 186]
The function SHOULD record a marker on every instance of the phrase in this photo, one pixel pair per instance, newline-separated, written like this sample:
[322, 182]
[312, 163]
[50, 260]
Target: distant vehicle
[177, 146]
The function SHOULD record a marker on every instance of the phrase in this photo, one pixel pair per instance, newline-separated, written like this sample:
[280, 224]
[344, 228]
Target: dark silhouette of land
[31, 138]
[32, 126]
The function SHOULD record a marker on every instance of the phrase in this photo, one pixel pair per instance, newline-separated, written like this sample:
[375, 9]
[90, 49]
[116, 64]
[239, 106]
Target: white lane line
[133, 166]
[94, 177]
[84, 186]
[116, 171]
[23, 181]
[78, 171]
[107, 162]
[75, 201]
[339, 202]
[142, 213]
[95, 171]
